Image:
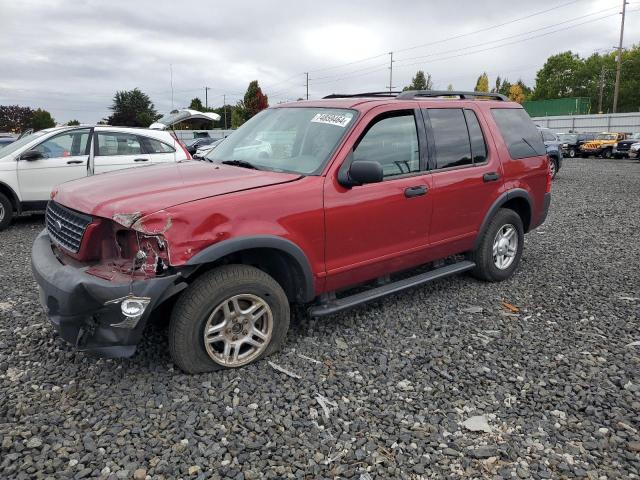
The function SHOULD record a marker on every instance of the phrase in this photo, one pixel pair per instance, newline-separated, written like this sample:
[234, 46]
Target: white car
[31, 166]
[202, 151]
[634, 150]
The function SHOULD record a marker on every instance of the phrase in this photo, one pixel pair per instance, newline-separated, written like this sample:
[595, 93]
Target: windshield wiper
[240, 163]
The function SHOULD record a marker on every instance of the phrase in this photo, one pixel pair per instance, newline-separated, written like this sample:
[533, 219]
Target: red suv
[301, 204]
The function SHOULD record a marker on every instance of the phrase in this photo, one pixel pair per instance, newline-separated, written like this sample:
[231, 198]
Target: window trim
[484, 138]
[420, 134]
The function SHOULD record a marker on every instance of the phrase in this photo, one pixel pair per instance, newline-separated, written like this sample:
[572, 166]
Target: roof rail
[411, 94]
[366, 94]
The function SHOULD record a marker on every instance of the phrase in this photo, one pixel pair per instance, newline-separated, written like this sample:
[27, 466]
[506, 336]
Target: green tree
[254, 100]
[420, 82]
[505, 86]
[225, 110]
[73, 123]
[196, 104]
[559, 77]
[237, 117]
[14, 118]
[482, 85]
[132, 108]
[450, 87]
[42, 119]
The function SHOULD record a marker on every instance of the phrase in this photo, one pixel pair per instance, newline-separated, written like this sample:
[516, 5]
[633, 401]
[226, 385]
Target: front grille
[65, 226]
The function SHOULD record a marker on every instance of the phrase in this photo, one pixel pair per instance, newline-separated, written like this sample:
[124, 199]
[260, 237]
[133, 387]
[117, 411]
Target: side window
[548, 136]
[451, 137]
[151, 145]
[114, 143]
[519, 133]
[68, 144]
[478, 144]
[393, 143]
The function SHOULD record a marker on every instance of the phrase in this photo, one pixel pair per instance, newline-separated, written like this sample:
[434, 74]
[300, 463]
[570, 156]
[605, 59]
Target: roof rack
[412, 94]
[409, 94]
[366, 94]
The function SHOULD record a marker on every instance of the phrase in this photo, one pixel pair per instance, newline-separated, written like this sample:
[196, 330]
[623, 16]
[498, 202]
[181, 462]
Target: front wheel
[229, 317]
[500, 247]
[553, 167]
[572, 153]
[607, 153]
[6, 212]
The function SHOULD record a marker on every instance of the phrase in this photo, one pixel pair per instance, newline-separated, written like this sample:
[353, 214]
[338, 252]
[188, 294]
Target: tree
[132, 109]
[450, 87]
[496, 89]
[226, 113]
[516, 94]
[42, 119]
[505, 85]
[237, 117]
[14, 118]
[196, 104]
[72, 123]
[482, 85]
[420, 82]
[254, 100]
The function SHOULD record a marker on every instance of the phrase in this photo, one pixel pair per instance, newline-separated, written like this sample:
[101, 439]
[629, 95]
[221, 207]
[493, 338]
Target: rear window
[519, 133]
[156, 146]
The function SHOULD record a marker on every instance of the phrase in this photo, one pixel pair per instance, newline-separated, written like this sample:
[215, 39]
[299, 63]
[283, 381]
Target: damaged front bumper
[86, 310]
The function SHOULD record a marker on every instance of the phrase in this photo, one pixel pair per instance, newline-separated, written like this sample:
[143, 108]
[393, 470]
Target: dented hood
[135, 192]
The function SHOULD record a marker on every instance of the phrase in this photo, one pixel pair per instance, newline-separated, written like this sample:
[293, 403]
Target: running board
[335, 306]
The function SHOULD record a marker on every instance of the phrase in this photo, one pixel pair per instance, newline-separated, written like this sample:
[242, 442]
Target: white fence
[189, 134]
[606, 122]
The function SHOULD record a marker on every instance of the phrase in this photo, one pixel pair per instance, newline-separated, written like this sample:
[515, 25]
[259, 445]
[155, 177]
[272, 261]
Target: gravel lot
[553, 390]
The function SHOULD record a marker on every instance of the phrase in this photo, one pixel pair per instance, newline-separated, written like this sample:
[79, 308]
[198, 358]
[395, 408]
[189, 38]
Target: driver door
[65, 157]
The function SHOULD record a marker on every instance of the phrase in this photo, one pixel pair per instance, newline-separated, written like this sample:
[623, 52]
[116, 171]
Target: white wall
[607, 122]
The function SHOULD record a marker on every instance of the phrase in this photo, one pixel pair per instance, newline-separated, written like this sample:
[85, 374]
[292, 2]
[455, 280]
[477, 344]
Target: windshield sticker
[338, 119]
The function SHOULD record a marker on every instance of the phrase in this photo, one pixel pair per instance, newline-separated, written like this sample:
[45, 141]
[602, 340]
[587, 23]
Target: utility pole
[601, 89]
[206, 97]
[390, 72]
[616, 89]
[307, 75]
[224, 104]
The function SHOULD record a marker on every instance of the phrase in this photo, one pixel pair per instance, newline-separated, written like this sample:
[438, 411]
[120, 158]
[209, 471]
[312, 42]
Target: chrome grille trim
[72, 226]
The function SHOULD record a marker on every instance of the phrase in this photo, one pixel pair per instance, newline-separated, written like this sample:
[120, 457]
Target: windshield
[568, 137]
[606, 136]
[296, 140]
[18, 144]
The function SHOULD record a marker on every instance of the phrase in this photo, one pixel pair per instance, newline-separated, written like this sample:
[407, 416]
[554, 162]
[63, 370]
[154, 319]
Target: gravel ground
[442, 381]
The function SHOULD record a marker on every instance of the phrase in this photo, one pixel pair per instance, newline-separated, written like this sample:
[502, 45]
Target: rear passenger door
[117, 150]
[467, 177]
[159, 151]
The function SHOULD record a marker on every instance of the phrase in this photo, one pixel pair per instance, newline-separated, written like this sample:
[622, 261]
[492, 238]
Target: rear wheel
[572, 153]
[500, 247]
[606, 153]
[553, 166]
[6, 212]
[229, 317]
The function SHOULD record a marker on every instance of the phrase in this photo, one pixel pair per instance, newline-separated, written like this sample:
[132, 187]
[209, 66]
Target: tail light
[182, 145]
[549, 174]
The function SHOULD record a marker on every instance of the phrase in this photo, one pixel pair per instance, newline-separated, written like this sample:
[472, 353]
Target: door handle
[75, 162]
[141, 160]
[416, 191]
[490, 177]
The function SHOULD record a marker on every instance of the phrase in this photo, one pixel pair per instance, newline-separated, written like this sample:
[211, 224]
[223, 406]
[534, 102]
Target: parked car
[31, 166]
[4, 141]
[203, 151]
[622, 147]
[355, 189]
[553, 145]
[571, 142]
[634, 151]
[196, 143]
[602, 146]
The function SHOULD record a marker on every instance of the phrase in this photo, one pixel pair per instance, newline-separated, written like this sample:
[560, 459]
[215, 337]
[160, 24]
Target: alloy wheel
[238, 330]
[505, 246]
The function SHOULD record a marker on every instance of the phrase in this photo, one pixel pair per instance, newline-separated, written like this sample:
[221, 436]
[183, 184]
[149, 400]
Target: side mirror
[360, 172]
[31, 155]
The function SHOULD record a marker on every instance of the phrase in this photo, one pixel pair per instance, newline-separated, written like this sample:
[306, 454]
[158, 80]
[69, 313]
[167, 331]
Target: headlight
[565, 145]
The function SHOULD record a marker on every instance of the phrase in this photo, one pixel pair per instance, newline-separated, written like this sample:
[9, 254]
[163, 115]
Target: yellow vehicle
[602, 146]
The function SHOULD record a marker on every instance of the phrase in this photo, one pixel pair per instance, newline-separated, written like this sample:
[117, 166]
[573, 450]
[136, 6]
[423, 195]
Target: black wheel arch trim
[13, 196]
[498, 203]
[235, 245]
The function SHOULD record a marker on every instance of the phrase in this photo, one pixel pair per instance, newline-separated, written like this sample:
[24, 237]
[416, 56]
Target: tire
[606, 153]
[486, 268]
[6, 212]
[205, 300]
[572, 153]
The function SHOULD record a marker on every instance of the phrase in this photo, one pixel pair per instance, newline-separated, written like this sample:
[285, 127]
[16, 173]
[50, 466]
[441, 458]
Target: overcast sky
[69, 57]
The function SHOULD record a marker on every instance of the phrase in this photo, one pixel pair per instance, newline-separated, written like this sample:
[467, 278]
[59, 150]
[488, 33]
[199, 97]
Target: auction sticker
[338, 119]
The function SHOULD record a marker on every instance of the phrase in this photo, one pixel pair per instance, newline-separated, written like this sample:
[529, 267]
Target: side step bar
[334, 306]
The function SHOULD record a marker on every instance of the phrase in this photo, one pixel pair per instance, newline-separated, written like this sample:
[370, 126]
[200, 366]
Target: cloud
[71, 57]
